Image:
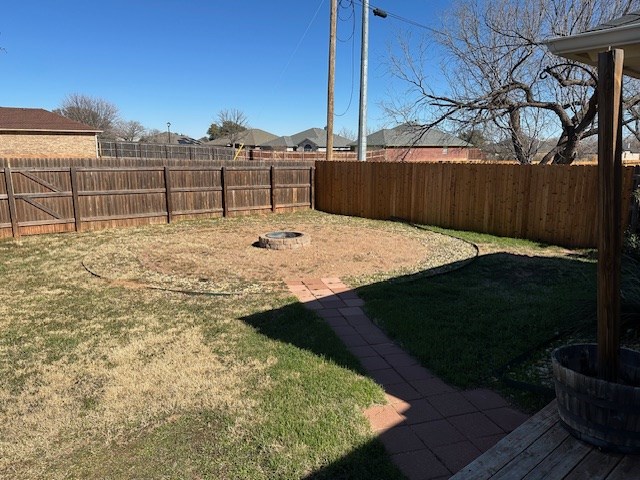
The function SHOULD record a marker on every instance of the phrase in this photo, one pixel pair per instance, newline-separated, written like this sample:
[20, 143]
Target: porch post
[609, 210]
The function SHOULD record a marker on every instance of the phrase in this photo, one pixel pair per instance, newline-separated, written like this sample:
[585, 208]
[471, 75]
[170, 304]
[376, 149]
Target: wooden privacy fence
[554, 204]
[44, 200]
[155, 150]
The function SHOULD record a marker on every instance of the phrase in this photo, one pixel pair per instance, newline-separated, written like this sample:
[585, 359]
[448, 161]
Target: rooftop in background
[39, 120]
[175, 139]
[412, 135]
[318, 136]
[250, 136]
[621, 32]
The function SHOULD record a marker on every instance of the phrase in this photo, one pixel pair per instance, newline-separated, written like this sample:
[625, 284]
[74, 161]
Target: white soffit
[584, 47]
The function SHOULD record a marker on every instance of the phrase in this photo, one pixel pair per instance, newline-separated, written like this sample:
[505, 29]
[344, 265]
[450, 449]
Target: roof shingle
[39, 120]
[316, 135]
[251, 136]
[409, 135]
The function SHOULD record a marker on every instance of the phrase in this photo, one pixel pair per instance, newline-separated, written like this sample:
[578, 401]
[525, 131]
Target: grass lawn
[467, 324]
[109, 380]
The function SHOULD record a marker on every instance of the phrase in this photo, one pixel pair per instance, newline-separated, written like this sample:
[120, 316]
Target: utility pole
[332, 72]
[364, 60]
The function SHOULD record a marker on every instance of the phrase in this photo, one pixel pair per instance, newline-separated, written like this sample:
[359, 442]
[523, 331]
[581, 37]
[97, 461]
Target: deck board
[559, 462]
[595, 466]
[503, 452]
[542, 449]
[528, 459]
[628, 468]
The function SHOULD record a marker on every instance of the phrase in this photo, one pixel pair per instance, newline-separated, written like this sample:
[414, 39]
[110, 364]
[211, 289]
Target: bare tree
[502, 79]
[230, 124]
[129, 131]
[349, 133]
[153, 135]
[93, 111]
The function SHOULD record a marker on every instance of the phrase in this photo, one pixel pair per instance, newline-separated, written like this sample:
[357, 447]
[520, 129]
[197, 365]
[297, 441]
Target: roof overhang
[584, 47]
[52, 131]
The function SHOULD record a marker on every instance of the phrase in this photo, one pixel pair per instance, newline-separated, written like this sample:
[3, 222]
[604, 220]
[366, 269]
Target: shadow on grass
[462, 325]
[362, 463]
[295, 325]
[468, 323]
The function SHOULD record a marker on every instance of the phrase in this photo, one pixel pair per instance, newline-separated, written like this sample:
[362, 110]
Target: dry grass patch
[222, 257]
[102, 380]
[106, 391]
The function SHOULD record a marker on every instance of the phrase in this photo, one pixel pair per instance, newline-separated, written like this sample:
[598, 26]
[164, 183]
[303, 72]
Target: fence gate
[36, 197]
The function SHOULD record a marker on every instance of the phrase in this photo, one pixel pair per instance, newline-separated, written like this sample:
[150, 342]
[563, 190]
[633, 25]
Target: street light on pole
[168, 132]
[364, 60]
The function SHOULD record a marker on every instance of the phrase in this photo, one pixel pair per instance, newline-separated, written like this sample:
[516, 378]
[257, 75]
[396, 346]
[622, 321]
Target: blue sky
[183, 61]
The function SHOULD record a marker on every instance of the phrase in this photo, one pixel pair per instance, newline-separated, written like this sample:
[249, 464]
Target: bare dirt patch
[223, 255]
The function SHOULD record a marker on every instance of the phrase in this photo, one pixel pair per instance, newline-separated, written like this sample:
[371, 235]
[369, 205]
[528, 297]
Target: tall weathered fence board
[59, 199]
[550, 203]
[151, 150]
[143, 162]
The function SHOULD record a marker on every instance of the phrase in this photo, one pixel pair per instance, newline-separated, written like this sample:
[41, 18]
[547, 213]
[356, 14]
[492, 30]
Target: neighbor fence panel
[58, 199]
[555, 204]
[107, 150]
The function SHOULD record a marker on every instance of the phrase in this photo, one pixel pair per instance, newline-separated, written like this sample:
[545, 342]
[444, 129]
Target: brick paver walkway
[430, 429]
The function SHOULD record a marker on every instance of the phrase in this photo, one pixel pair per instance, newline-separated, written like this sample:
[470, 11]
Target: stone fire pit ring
[283, 240]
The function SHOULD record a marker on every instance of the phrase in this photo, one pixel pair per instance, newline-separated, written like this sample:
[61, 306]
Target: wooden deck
[542, 449]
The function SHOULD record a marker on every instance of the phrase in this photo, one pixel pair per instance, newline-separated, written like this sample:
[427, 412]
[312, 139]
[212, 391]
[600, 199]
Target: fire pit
[283, 240]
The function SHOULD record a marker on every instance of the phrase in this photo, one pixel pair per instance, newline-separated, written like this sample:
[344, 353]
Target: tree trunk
[516, 137]
[565, 151]
[568, 150]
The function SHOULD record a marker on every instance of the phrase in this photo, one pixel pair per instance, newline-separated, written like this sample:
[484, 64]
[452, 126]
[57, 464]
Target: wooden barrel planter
[604, 414]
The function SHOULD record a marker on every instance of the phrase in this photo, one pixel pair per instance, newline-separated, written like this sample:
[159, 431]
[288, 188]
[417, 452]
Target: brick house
[409, 143]
[38, 133]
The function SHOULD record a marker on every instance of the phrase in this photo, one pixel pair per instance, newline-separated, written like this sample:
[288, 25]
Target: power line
[351, 17]
[295, 50]
[379, 11]
[293, 53]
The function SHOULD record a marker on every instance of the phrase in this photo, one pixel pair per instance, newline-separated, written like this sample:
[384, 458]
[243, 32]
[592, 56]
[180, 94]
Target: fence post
[75, 197]
[166, 152]
[312, 189]
[167, 193]
[115, 148]
[15, 228]
[223, 181]
[272, 175]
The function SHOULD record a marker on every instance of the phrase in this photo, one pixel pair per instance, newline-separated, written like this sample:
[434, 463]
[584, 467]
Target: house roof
[318, 136]
[175, 139]
[411, 135]
[284, 141]
[39, 120]
[621, 32]
[251, 136]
